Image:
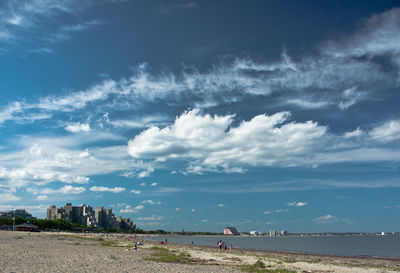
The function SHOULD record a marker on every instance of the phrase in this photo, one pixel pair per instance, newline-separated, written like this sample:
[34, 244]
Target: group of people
[135, 245]
[223, 246]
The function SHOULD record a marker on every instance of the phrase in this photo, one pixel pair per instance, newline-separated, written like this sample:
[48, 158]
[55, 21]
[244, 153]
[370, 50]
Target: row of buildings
[16, 213]
[272, 232]
[85, 215]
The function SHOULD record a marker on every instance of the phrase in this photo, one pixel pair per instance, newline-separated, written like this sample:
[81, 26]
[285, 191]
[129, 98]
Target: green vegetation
[259, 267]
[164, 255]
[108, 243]
[43, 224]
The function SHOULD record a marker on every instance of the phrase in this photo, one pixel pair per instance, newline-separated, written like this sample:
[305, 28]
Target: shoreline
[288, 252]
[66, 252]
[272, 251]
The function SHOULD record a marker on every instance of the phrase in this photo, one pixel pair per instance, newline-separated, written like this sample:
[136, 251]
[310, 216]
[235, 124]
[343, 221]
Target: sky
[204, 114]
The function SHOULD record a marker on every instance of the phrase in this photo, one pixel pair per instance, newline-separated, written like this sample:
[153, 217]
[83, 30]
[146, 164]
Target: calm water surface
[360, 246]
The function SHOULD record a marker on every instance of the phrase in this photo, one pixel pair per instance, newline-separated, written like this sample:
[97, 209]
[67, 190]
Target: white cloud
[146, 173]
[43, 159]
[297, 204]
[326, 219]
[68, 189]
[220, 205]
[41, 197]
[356, 133]
[193, 210]
[106, 189]
[151, 202]
[142, 184]
[78, 127]
[74, 190]
[136, 192]
[84, 154]
[349, 98]
[213, 143]
[308, 104]
[177, 209]
[204, 221]
[387, 132]
[153, 184]
[8, 197]
[267, 212]
[129, 209]
[41, 209]
[151, 218]
[141, 122]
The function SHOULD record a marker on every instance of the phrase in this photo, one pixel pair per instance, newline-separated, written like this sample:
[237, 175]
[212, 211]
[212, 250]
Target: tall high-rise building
[85, 215]
[272, 232]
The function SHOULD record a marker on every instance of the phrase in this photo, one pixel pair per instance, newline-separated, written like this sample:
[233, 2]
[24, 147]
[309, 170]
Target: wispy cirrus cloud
[332, 78]
[34, 21]
[149, 218]
[151, 202]
[335, 77]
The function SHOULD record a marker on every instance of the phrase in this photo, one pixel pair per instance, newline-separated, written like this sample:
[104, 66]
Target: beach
[70, 252]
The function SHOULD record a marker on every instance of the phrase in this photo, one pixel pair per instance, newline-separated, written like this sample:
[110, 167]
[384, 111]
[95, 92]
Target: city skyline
[202, 115]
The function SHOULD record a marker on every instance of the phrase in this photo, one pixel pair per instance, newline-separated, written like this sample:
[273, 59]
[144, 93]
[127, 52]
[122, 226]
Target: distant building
[283, 232]
[27, 227]
[86, 216]
[254, 233]
[272, 232]
[82, 215]
[16, 213]
[231, 231]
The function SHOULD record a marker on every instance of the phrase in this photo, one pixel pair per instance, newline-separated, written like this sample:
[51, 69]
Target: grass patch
[77, 243]
[259, 267]
[108, 243]
[164, 255]
[160, 249]
[99, 239]
[288, 260]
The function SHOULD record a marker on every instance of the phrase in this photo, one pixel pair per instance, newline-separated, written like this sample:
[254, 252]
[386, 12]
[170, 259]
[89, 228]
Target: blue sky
[204, 114]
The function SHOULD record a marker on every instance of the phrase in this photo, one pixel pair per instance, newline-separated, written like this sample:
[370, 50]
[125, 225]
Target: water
[353, 246]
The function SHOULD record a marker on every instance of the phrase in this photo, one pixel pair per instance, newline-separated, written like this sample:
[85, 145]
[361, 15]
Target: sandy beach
[68, 252]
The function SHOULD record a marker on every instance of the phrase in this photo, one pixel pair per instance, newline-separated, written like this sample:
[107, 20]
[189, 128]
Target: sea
[376, 246]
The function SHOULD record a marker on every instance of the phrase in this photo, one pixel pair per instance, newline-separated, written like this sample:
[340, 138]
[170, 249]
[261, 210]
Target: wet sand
[68, 252]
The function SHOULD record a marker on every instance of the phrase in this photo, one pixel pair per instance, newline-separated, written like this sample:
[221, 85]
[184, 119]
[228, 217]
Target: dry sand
[67, 252]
